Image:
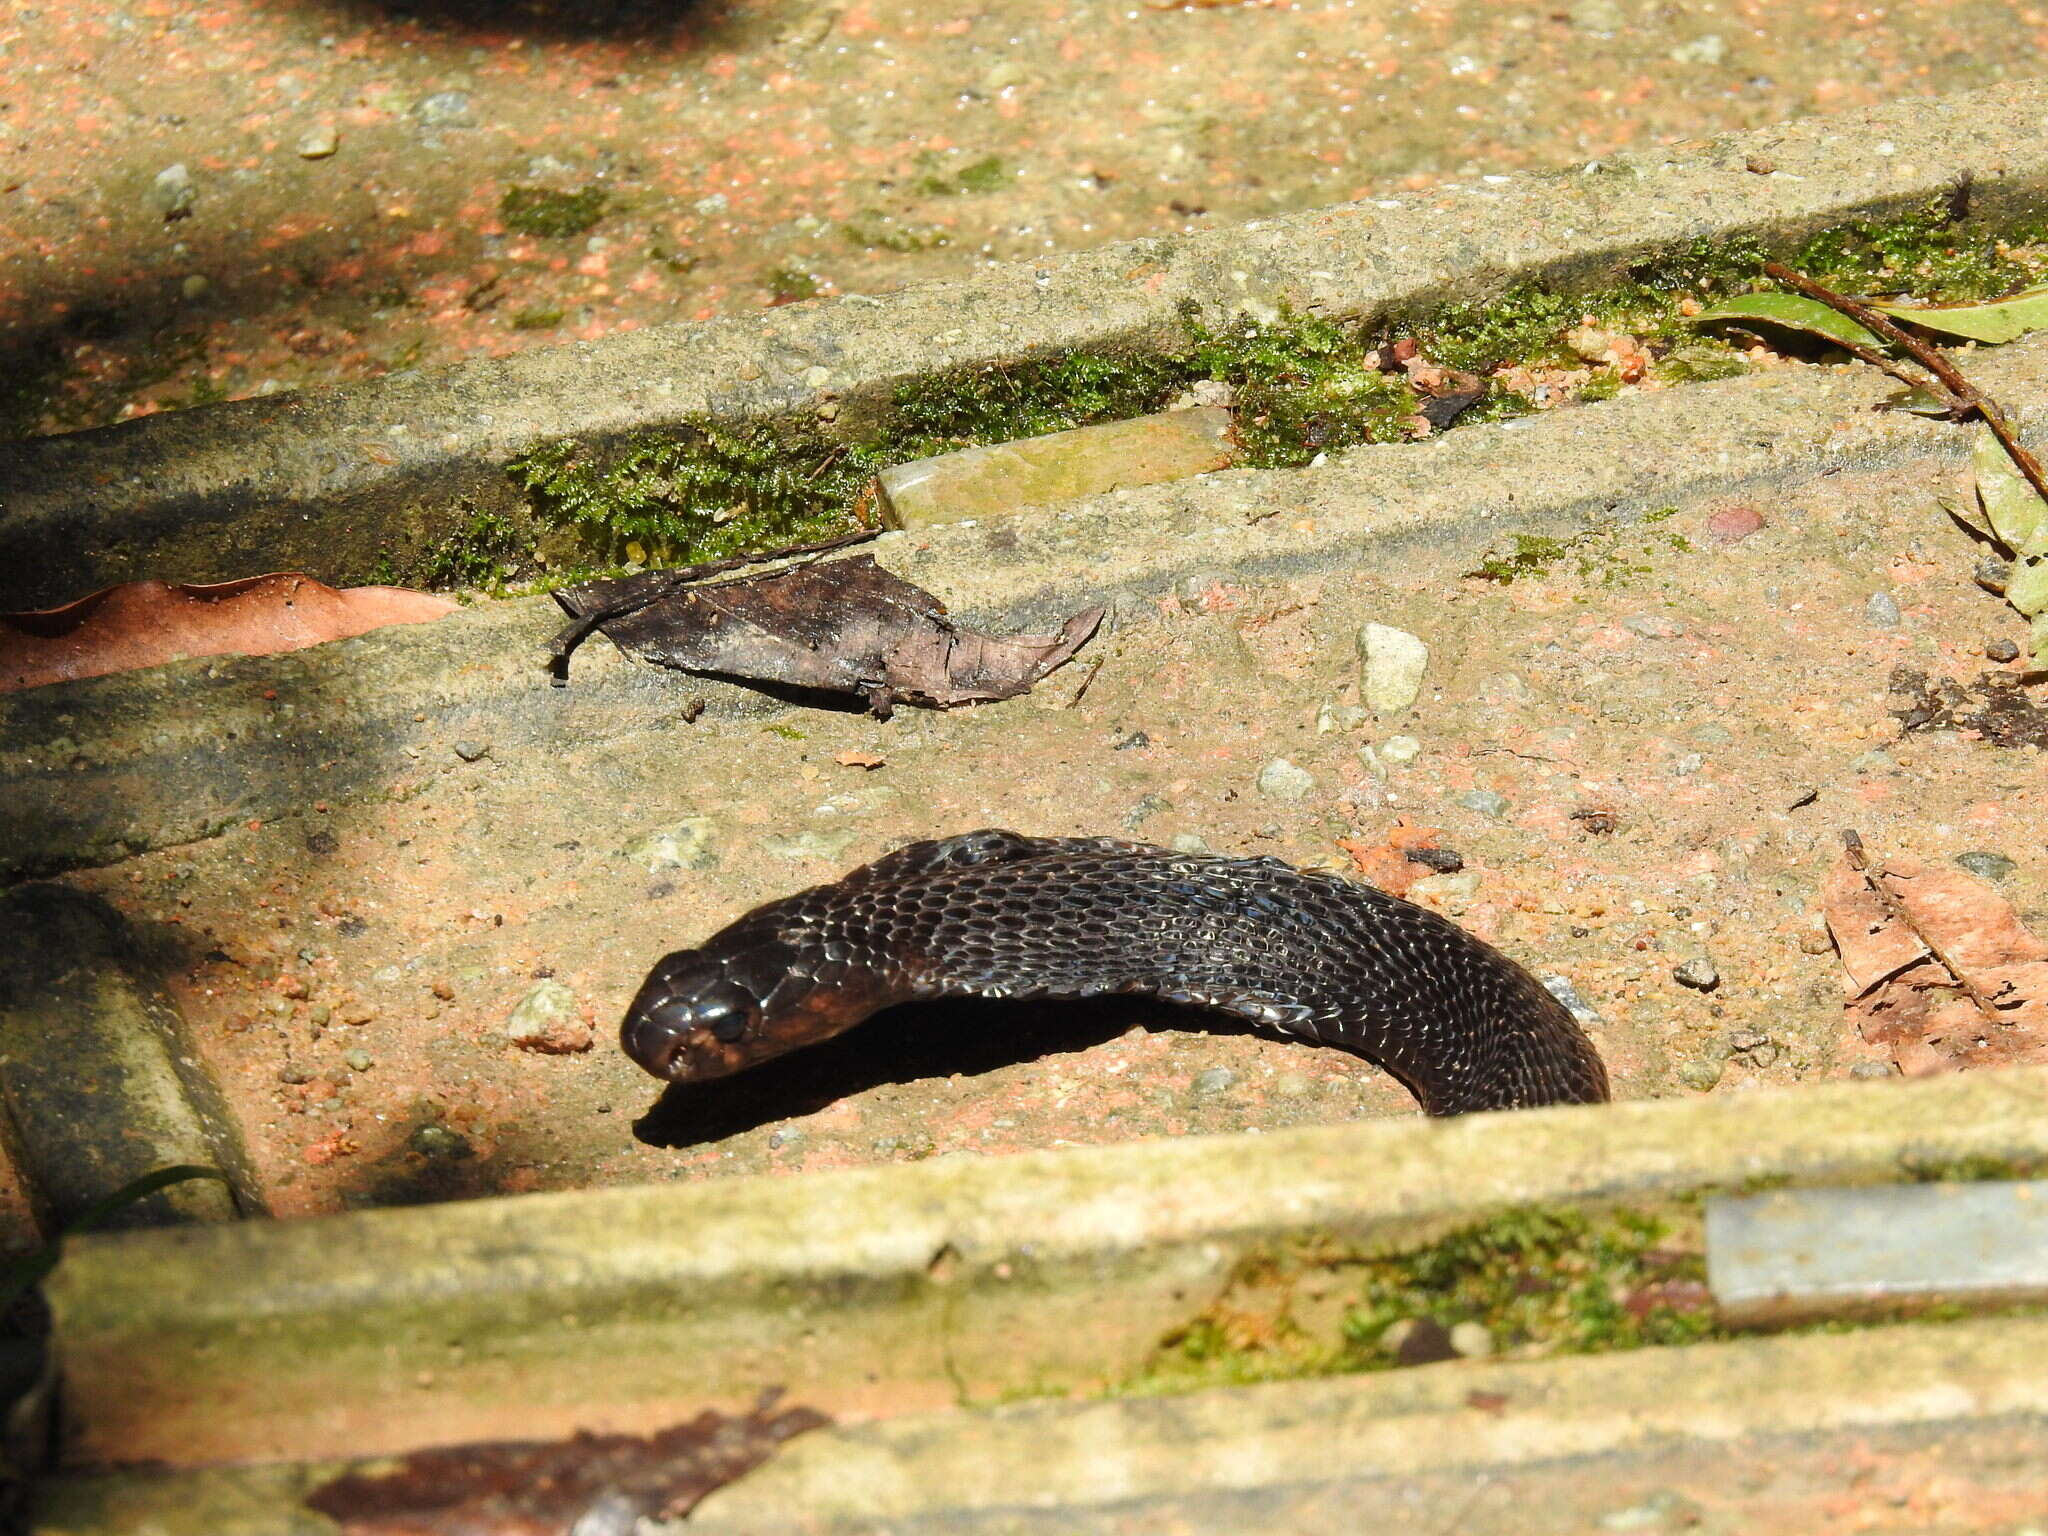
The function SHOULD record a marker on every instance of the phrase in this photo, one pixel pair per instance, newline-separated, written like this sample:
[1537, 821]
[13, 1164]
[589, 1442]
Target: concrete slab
[878, 1291]
[324, 480]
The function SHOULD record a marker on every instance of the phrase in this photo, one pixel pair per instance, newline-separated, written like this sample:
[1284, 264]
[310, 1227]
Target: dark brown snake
[998, 915]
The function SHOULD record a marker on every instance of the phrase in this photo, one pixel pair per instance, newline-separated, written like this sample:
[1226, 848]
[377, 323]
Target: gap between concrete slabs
[872, 1292]
[323, 480]
[1080, 1457]
[102, 769]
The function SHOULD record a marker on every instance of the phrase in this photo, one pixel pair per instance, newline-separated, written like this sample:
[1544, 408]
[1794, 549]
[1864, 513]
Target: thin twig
[1874, 877]
[1965, 395]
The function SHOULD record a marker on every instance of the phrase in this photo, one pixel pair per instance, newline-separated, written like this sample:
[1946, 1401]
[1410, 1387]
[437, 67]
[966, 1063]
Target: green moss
[550, 214]
[987, 174]
[871, 229]
[1969, 1170]
[791, 285]
[536, 319]
[1540, 1281]
[704, 493]
[1606, 552]
[1604, 385]
[488, 551]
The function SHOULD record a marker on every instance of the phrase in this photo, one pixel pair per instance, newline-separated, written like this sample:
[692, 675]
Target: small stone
[1873, 1071]
[172, 194]
[1711, 736]
[1340, 717]
[547, 1019]
[320, 1015]
[446, 109]
[1987, 866]
[1472, 1340]
[2001, 650]
[1462, 886]
[1708, 49]
[1741, 1042]
[1652, 626]
[1188, 842]
[1214, 1080]
[470, 751]
[689, 844]
[1661, 1511]
[194, 288]
[438, 1141]
[1882, 610]
[1815, 942]
[1597, 16]
[1418, 1341]
[1876, 760]
[1441, 861]
[1397, 750]
[293, 1075]
[1701, 1076]
[1687, 764]
[1393, 664]
[1291, 1085]
[817, 378]
[784, 1136]
[1147, 807]
[1485, 802]
[317, 144]
[358, 1060]
[1281, 780]
[1561, 988]
[1700, 973]
[1992, 574]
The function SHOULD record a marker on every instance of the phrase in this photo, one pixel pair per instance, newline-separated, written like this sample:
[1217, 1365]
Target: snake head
[690, 1019]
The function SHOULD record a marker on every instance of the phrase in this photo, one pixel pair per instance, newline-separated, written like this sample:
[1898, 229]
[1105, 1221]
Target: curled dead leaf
[868, 760]
[146, 623]
[1939, 971]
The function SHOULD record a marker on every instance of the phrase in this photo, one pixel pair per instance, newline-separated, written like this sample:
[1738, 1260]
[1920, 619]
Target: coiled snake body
[997, 915]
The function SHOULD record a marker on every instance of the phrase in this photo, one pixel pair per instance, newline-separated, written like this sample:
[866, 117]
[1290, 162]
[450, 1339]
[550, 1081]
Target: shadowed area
[902, 1045]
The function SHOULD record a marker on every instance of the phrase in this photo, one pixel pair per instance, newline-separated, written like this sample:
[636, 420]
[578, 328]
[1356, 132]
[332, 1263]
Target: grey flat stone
[1794, 1255]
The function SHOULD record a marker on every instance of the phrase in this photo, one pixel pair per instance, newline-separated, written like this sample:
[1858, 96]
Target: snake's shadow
[902, 1045]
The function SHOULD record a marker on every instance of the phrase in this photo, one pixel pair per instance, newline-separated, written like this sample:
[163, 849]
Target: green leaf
[1792, 311]
[23, 1274]
[2027, 587]
[2037, 640]
[2000, 320]
[1921, 401]
[2018, 515]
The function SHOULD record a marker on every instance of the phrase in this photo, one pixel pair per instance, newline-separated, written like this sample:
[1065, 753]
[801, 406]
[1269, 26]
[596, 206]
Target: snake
[994, 914]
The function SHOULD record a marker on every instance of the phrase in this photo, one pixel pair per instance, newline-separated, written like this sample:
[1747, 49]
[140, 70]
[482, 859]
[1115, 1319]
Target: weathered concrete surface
[324, 480]
[1079, 1457]
[98, 770]
[1970, 1477]
[870, 1292]
[99, 1084]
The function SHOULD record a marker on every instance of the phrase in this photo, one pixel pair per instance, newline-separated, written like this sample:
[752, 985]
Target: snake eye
[722, 1018]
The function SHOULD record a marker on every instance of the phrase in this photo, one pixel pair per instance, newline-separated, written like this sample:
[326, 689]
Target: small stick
[1859, 861]
[1965, 395]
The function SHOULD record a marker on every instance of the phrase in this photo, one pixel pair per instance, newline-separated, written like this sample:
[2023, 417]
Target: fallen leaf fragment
[1386, 864]
[845, 627]
[1938, 970]
[554, 1487]
[868, 760]
[146, 623]
[2000, 320]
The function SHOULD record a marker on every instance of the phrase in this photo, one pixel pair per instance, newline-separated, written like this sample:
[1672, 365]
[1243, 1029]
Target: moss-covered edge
[1540, 1280]
[1301, 386]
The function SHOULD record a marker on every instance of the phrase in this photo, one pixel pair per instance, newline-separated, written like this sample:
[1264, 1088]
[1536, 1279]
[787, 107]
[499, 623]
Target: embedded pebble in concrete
[1214, 1080]
[1471, 1340]
[1282, 780]
[1699, 973]
[1882, 609]
[1486, 802]
[1393, 663]
[811, 844]
[546, 1018]
[1987, 866]
[1560, 987]
[687, 844]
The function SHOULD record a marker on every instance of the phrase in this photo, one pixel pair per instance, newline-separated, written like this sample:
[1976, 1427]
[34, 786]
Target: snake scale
[994, 914]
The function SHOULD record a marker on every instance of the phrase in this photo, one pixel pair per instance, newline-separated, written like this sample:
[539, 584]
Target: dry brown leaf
[868, 760]
[846, 627]
[1386, 863]
[145, 623]
[1944, 977]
